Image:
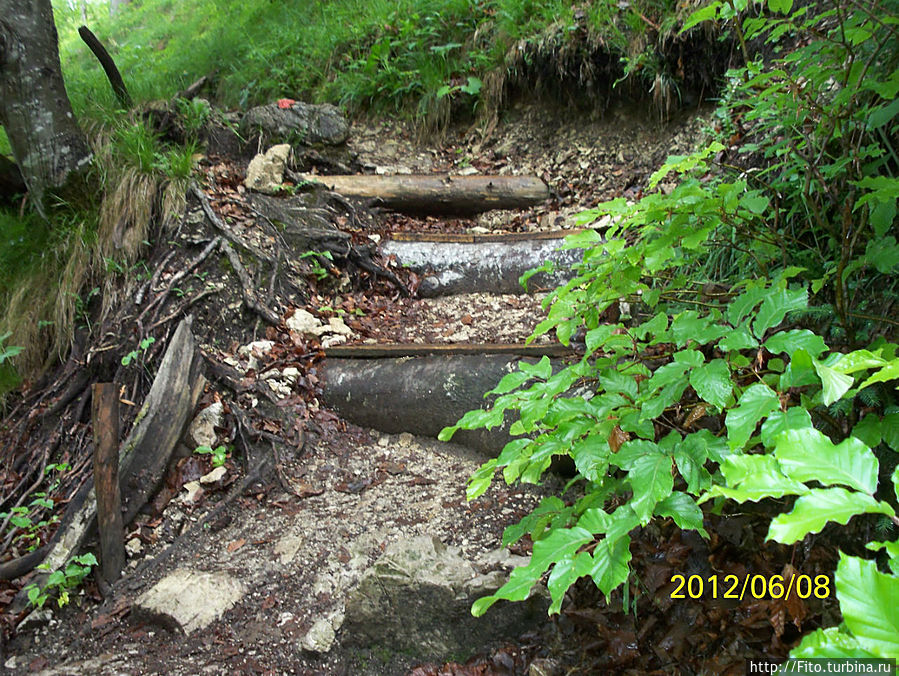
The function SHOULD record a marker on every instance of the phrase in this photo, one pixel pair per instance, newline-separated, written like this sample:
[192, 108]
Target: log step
[448, 268]
[439, 193]
[420, 395]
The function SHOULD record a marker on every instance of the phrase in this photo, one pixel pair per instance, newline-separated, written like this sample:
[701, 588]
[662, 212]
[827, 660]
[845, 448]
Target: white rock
[468, 171]
[202, 429]
[194, 492]
[321, 637]
[252, 351]
[337, 325]
[190, 599]
[214, 476]
[134, 547]
[265, 173]
[331, 341]
[303, 322]
[291, 374]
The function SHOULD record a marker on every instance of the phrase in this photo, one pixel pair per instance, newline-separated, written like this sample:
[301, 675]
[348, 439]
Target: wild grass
[378, 55]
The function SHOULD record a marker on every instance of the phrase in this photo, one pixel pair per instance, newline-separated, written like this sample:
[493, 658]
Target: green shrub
[730, 387]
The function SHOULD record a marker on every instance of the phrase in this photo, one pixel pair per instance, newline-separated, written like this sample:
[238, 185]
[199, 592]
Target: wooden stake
[105, 415]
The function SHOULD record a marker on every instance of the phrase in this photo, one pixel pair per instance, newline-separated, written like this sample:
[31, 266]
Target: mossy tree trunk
[46, 141]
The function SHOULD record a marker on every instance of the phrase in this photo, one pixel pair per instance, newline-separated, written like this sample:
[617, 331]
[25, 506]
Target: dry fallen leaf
[237, 544]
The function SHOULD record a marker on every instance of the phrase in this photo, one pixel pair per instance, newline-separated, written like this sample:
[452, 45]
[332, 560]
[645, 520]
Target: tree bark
[440, 194]
[105, 418]
[46, 141]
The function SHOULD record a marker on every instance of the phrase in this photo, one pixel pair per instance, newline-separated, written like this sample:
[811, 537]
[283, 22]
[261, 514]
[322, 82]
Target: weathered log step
[482, 267]
[420, 395]
[395, 350]
[440, 193]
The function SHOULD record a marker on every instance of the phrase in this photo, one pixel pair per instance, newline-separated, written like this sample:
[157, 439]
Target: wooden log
[146, 452]
[421, 395]
[105, 418]
[482, 267]
[440, 193]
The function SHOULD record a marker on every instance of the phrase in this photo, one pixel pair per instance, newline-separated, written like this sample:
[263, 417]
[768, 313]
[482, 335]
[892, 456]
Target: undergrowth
[415, 56]
[765, 373]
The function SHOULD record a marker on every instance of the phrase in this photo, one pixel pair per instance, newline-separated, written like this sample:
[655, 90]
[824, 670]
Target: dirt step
[395, 350]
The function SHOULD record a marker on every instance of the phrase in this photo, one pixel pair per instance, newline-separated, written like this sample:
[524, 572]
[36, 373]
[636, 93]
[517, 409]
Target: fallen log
[421, 395]
[146, 452]
[440, 193]
[483, 267]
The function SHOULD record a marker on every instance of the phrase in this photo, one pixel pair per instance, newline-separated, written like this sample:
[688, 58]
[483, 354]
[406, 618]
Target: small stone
[405, 440]
[337, 325]
[468, 171]
[194, 492]
[214, 476]
[303, 322]
[321, 637]
[290, 374]
[134, 547]
[331, 341]
[254, 350]
[202, 429]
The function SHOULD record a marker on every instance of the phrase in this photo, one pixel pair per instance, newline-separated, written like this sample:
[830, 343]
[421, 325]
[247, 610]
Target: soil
[299, 539]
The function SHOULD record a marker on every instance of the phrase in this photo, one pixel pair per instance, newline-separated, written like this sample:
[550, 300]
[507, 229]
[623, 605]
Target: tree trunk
[46, 141]
[440, 193]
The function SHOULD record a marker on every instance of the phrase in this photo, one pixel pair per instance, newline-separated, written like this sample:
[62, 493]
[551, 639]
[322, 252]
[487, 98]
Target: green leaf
[707, 13]
[868, 602]
[510, 381]
[887, 373]
[859, 360]
[891, 548]
[835, 384]
[712, 382]
[883, 254]
[812, 511]
[808, 455]
[755, 202]
[610, 563]
[542, 369]
[756, 403]
[683, 510]
[868, 430]
[782, 6]
[795, 418]
[776, 306]
[890, 430]
[830, 642]
[480, 480]
[651, 480]
[796, 339]
[563, 575]
[752, 478]
[738, 339]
